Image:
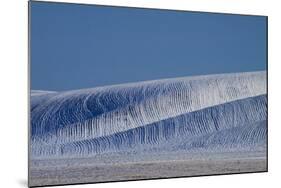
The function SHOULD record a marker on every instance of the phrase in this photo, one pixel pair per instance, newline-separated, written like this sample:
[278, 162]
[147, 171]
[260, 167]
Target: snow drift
[200, 113]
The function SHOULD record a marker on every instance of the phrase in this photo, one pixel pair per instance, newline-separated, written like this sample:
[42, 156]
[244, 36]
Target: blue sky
[79, 46]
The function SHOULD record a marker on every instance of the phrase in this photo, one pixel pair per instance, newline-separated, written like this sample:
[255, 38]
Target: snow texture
[224, 112]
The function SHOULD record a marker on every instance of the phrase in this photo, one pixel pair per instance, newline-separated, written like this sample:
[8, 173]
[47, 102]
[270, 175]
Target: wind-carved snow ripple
[240, 122]
[65, 121]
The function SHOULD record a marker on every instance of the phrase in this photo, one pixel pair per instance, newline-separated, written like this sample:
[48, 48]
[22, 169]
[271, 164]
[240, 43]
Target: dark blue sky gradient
[78, 46]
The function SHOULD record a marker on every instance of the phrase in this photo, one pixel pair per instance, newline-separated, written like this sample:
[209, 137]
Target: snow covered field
[211, 124]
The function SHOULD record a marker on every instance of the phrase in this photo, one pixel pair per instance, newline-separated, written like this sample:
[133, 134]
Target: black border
[116, 6]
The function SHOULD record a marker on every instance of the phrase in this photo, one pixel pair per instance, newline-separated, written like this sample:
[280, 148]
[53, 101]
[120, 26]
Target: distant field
[77, 170]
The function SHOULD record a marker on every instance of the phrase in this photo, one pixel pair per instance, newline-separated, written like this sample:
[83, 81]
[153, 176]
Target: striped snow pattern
[170, 114]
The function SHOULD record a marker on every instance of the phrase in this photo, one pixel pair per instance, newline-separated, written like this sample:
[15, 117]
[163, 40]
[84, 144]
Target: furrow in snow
[99, 112]
[180, 129]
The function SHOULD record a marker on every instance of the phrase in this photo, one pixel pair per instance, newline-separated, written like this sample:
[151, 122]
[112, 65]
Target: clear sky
[80, 46]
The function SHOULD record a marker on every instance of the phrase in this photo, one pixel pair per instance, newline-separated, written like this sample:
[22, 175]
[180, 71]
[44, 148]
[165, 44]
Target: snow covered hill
[200, 113]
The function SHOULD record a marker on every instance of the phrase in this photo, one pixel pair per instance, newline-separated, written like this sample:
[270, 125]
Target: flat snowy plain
[190, 126]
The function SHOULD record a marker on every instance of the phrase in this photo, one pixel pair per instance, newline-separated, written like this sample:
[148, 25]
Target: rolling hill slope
[200, 113]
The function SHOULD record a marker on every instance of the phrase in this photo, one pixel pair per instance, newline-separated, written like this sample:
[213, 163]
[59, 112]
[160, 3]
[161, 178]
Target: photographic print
[119, 93]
